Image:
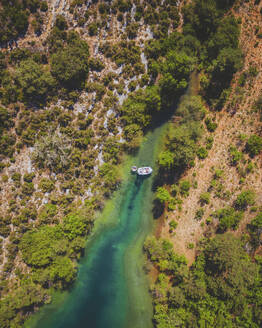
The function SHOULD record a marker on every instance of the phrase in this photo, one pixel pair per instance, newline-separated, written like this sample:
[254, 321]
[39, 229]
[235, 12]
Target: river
[111, 290]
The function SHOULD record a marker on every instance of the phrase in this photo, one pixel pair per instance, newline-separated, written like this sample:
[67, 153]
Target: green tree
[75, 225]
[162, 195]
[228, 218]
[245, 199]
[176, 70]
[70, 64]
[255, 228]
[35, 82]
[166, 159]
[40, 247]
[182, 143]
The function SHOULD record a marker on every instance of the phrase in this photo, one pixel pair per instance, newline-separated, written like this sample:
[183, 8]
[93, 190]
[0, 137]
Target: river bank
[112, 289]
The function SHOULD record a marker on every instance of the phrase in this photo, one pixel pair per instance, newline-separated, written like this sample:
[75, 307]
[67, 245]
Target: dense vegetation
[221, 289]
[223, 286]
[61, 107]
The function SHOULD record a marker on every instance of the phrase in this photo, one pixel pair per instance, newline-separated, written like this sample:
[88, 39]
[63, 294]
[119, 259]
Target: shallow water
[111, 290]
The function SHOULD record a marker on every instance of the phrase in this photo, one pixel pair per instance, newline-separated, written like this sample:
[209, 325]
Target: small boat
[133, 169]
[144, 170]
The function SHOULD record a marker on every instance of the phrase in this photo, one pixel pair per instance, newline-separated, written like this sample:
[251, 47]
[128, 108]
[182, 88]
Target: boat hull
[144, 171]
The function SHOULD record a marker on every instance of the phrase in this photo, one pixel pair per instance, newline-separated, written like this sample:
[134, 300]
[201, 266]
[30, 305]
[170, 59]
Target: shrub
[209, 142]
[35, 81]
[228, 218]
[211, 125]
[254, 228]
[202, 153]
[96, 64]
[28, 177]
[28, 188]
[245, 199]
[92, 29]
[190, 246]
[173, 224]
[14, 20]
[162, 195]
[70, 64]
[166, 159]
[184, 187]
[46, 185]
[205, 198]
[4, 227]
[199, 214]
[16, 177]
[40, 247]
[218, 174]
[254, 145]
[236, 155]
[75, 225]
[131, 30]
[60, 22]
[44, 6]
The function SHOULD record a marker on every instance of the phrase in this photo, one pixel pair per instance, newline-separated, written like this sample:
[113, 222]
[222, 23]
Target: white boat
[144, 170]
[133, 169]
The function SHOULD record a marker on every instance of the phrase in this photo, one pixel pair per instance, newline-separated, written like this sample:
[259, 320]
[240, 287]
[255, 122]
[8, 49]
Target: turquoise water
[111, 290]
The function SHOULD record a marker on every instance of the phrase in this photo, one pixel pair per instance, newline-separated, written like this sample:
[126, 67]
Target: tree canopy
[69, 65]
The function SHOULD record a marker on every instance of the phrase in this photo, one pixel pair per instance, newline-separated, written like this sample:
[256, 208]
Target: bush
[228, 218]
[14, 20]
[184, 187]
[236, 155]
[202, 153]
[190, 246]
[218, 174]
[199, 214]
[96, 64]
[35, 82]
[245, 199]
[254, 228]
[254, 145]
[176, 69]
[16, 177]
[44, 6]
[28, 177]
[93, 29]
[182, 144]
[60, 22]
[211, 125]
[75, 225]
[162, 195]
[28, 188]
[47, 213]
[70, 64]
[4, 227]
[205, 198]
[46, 185]
[173, 224]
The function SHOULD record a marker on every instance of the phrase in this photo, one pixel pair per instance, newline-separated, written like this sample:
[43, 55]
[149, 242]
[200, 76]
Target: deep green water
[111, 290]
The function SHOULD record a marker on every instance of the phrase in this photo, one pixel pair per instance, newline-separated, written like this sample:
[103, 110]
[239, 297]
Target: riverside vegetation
[222, 288]
[61, 114]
